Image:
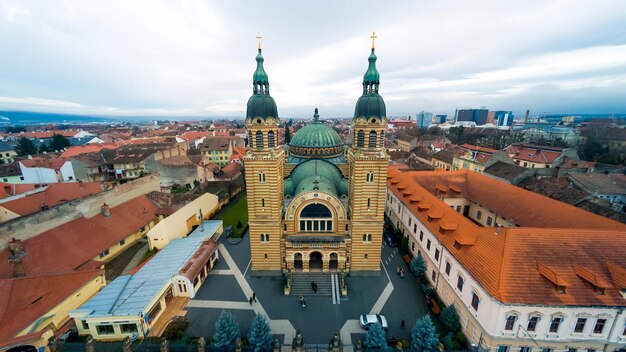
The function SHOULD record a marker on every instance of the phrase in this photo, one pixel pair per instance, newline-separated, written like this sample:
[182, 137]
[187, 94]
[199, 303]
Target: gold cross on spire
[259, 37]
[373, 36]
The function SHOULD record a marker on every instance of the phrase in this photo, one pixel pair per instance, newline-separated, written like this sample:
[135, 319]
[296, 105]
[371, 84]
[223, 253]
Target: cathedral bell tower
[264, 175]
[368, 162]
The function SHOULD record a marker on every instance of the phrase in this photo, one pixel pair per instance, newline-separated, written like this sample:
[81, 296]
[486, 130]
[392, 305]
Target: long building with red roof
[523, 271]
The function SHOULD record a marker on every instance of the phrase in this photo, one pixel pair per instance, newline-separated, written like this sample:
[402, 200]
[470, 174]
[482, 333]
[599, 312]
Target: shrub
[404, 244]
[375, 338]
[450, 342]
[450, 319]
[424, 337]
[417, 266]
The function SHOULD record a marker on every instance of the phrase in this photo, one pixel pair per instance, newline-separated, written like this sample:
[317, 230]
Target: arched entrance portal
[297, 261]
[315, 261]
[333, 264]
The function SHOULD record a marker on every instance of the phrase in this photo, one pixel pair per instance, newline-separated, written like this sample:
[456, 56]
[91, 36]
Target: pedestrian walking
[398, 269]
[250, 300]
[401, 323]
[402, 273]
[254, 296]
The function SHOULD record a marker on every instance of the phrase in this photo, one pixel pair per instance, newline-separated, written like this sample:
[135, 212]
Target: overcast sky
[196, 58]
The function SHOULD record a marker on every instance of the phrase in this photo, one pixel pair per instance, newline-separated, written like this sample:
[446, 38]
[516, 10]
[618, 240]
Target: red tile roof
[533, 154]
[520, 264]
[48, 163]
[11, 189]
[53, 195]
[87, 148]
[193, 135]
[75, 243]
[23, 300]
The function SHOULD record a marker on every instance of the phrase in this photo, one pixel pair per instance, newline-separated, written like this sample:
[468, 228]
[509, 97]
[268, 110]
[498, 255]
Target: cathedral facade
[316, 204]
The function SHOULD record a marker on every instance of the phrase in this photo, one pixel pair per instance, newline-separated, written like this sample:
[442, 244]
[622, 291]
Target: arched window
[369, 177]
[263, 202]
[270, 139]
[265, 237]
[372, 140]
[250, 139]
[259, 139]
[382, 139]
[316, 218]
[360, 139]
[261, 177]
[369, 203]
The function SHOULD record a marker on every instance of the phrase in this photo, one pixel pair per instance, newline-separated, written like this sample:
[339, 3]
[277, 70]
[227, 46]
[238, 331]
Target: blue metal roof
[130, 295]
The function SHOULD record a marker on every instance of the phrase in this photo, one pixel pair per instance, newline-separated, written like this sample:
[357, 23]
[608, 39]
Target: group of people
[400, 272]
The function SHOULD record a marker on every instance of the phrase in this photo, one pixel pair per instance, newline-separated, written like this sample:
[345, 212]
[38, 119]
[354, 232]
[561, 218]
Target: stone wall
[30, 226]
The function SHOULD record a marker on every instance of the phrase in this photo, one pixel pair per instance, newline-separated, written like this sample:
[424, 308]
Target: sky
[196, 58]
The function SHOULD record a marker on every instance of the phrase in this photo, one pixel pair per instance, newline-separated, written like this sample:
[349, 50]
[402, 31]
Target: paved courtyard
[231, 283]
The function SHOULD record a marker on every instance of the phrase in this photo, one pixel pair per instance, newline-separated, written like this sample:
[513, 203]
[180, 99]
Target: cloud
[197, 57]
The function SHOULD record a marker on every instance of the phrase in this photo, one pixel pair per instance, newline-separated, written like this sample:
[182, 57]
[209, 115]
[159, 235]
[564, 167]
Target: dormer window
[560, 289]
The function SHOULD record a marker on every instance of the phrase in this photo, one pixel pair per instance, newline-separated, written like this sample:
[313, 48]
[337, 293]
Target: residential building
[316, 205]
[167, 281]
[477, 158]
[407, 143]
[524, 272]
[538, 156]
[11, 173]
[218, 149]
[546, 133]
[444, 159]
[7, 154]
[47, 170]
[611, 187]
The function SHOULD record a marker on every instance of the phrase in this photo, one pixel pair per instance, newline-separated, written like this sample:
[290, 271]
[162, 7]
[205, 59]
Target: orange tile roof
[87, 148]
[505, 263]
[53, 195]
[143, 140]
[193, 135]
[11, 189]
[478, 148]
[23, 300]
[68, 246]
[47, 134]
[49, 163]
[536, 154]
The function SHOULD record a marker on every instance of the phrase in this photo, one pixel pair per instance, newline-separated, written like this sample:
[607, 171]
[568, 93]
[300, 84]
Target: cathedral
[316, 204]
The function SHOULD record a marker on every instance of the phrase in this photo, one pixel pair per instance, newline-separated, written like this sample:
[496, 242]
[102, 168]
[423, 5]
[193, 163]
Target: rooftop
[600, 183]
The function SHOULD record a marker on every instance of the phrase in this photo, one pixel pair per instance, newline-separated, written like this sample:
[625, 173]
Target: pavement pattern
[230, 285]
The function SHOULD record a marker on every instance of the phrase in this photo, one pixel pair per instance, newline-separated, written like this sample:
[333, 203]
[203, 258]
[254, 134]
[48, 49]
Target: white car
[366, 320]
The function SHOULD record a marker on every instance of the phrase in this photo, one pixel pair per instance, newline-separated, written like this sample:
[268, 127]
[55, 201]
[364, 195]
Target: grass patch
[149, 254]
[236, 210]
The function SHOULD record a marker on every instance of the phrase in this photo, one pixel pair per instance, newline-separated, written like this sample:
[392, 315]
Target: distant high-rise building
[437, 119]
[479, 116]
[424, 119]
[502, 118]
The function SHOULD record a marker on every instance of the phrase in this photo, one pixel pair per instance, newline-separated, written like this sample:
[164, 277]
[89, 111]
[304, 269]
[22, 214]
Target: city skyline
[197, 58]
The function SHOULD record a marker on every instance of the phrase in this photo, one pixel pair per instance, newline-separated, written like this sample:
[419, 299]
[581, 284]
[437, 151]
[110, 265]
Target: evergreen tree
[424, 337]
[59, 142]
[450, 342]
[287, 135]
[226, 330]
[260, 338]
[25, 147]
[417, 266]
[450, 319]
[43, 148]
[375, 338]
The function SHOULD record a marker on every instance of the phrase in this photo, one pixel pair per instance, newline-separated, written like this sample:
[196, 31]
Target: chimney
[15, 259]
[106, 211]
[498, 228]
[80, 184]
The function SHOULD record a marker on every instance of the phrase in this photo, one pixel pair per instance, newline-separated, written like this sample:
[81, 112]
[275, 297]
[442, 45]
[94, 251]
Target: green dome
[316, 140]
[260, 77]
[261, 106]
[370, 105]
[316, 175]
[371, 75]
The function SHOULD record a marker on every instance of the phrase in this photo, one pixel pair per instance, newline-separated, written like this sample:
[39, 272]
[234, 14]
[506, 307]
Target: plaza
[230, 285]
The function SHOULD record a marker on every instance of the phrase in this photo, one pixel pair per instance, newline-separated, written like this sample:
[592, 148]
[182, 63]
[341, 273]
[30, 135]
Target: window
[128, 328]
[367, 237]
[475, 301]
[261, 177]
[259, 139]
[448, 267]
[489, 220]
[599, 328]
[580, 325]
[591, 350]
[105, 329]
[524, 349]
[265, 237]
[510, 322]
[85, 324]
[372, 140]
[459, 283]
[421, 236]
[554, 325]
[265, 256]
[624, 332]
[360, 139]
[263, 202]
[547, 349]
[571, 349]
[479, 214]
[410, 222]
[436, 255]
[270, 139]
[369, 177]
[503, 348]
[365, 256]
[433, 276]
[412, 246]
[532, 323]
[414, 228]
[369, 202]
[122, 242]
[104, 254]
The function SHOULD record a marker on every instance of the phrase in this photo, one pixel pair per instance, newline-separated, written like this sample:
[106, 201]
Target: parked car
[366, 320]
[388, 236]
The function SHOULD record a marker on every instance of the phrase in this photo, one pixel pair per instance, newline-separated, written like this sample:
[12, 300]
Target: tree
[226, 330]
[260, 338]
[25, 147]
[450, 342]
[287, 135]
[43, 148]
[375, 338]
[404, 244]
[417, 266]
[424, 337]
[450, 319]
[59, 142]
[456, 133]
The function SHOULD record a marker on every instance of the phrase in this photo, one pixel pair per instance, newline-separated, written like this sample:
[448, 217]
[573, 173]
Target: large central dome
[316, 140]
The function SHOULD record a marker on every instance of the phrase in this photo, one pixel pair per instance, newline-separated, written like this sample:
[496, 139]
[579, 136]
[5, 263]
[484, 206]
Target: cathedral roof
[370, 104]
[316, 135]
[261, 104]
[316, 175]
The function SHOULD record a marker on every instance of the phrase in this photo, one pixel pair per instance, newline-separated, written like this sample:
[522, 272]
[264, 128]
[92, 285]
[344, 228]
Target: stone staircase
[301, 284]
